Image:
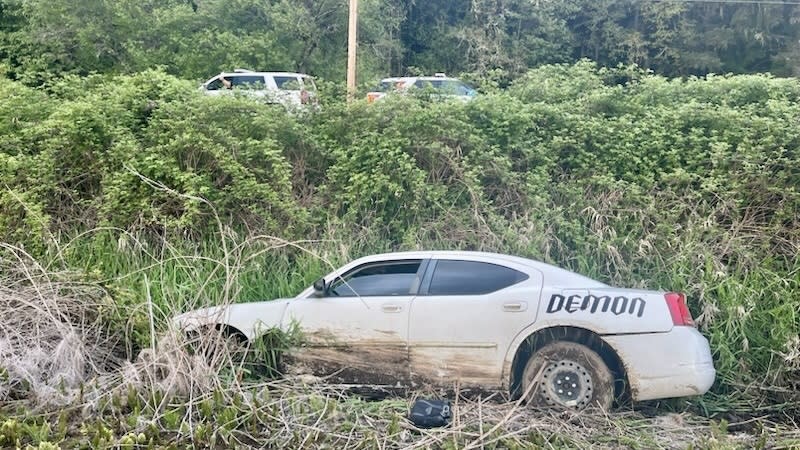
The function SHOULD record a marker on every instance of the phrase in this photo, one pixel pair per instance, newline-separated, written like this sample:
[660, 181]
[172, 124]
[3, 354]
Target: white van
[289, 89]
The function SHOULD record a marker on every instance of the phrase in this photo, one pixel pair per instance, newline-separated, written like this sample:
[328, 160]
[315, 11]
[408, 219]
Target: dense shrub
[118, 153]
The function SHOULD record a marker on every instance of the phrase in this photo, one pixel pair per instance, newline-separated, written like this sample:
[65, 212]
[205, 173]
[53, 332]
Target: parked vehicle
[443, 86]
[484, 320]
[289, 89]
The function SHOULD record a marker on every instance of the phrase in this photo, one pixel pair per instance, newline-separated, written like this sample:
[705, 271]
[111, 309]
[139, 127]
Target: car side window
[422, 84]
[288, 83]
[455, 277]
[377, 279]
[248, 81]
[457, 88]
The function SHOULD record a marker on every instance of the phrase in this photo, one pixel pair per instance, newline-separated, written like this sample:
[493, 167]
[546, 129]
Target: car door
[466, 315]
[358, 331]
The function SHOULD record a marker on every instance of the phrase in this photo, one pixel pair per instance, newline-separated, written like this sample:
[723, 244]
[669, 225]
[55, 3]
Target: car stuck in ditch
[483, 320]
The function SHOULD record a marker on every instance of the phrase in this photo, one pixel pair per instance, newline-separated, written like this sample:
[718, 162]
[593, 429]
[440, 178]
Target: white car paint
[661, 365]
[414, 337]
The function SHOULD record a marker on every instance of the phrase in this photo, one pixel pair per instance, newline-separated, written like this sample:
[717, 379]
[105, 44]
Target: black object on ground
[430, 413]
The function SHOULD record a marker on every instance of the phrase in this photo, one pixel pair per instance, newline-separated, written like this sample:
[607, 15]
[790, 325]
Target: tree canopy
[40, 39]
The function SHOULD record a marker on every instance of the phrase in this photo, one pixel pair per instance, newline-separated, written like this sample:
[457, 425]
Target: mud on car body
[488, 321]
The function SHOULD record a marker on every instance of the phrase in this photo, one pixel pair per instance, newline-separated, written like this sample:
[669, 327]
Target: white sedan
[487, 321]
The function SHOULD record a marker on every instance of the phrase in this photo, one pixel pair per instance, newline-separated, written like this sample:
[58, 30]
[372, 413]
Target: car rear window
[454, 277]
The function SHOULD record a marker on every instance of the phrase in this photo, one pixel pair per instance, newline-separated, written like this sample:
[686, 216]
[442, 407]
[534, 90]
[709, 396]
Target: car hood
[251, 319]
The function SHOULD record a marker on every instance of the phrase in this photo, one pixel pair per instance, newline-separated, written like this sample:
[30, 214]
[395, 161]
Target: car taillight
[372, 96]
[678, 310]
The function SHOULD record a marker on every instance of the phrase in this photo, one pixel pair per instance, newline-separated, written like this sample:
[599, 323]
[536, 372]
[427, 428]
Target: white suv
[444, 86]
[289, 89]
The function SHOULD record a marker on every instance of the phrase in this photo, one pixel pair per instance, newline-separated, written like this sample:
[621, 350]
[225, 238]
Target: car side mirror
[320, 287]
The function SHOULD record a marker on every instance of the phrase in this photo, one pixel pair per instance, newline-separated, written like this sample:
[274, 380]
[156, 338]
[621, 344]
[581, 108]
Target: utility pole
[352, 43]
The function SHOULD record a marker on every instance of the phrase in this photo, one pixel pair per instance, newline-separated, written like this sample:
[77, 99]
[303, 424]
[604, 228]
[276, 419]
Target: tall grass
[166, 395]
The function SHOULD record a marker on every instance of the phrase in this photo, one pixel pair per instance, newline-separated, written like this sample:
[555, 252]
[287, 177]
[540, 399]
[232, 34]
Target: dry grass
[291, 414]
[52, 335]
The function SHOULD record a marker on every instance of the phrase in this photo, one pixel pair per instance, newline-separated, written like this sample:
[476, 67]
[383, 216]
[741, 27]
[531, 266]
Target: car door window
[377, 279]
[455, 87]
[248, 82]
[454, 277]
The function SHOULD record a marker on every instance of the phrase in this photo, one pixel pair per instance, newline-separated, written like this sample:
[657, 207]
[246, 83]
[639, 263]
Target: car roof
[552, 274]
[396, 79]
[274, 74]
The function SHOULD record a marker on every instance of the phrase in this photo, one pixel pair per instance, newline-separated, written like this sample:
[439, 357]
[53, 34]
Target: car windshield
[214, 85]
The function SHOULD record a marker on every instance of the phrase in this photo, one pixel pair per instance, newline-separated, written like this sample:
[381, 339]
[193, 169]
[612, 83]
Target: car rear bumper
[663, 365]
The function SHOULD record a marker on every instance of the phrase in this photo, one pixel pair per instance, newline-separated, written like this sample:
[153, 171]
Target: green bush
[138, 152]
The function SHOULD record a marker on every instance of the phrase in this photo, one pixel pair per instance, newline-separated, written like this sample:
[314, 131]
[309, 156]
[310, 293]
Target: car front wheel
[567, 375]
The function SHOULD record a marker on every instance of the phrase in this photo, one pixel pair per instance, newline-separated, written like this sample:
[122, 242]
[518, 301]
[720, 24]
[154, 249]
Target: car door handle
[515, 307]
[391, 308]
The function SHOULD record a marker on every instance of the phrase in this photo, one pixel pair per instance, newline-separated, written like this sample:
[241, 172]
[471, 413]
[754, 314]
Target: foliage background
[196, 39]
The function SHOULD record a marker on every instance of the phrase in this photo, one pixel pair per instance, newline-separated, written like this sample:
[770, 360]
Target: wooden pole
[352, 42]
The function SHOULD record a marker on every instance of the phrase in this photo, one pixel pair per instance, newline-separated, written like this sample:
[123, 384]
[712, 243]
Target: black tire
[567, 376]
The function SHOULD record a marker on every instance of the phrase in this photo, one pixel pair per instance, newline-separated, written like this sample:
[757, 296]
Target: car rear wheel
[567, 375]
